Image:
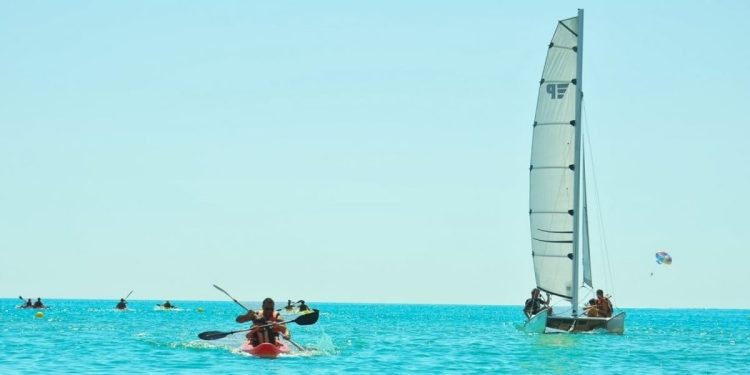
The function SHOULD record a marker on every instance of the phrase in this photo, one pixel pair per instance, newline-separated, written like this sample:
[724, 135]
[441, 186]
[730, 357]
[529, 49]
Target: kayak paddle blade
[308, 319]
[213, 335]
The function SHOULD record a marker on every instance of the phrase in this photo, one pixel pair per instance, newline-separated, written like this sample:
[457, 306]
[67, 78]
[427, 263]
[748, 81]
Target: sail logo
[557, 90]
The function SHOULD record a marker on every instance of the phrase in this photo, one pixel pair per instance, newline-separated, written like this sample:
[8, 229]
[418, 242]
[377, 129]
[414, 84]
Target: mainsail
[553, 174]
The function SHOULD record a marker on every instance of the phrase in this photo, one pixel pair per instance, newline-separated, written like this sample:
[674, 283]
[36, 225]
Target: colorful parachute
[663, 257]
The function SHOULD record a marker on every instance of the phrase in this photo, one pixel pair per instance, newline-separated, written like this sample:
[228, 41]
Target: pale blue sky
[351, 151]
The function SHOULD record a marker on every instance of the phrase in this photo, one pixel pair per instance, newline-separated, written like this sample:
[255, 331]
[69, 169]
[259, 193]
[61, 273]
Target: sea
[91, 337]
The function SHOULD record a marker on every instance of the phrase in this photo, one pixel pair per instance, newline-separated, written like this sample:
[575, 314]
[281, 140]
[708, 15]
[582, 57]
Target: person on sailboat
[535, 304]
[267, 325]
[38, 304]
[590, 309]
[603, 304]
[122, 305]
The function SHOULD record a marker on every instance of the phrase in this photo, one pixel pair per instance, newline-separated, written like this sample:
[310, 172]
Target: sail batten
[555, 231]
[552, 167]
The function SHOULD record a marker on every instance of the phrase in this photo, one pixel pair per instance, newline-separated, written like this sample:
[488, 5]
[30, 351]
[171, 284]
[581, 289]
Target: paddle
[296, 345]
[246, 309]
[126, 297]
[303, 320]
[230, 296]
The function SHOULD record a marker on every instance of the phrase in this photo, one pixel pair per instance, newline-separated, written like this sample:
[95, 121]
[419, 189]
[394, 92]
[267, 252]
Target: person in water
[122, 305]
[267, 325]
[302, 306]
[38, 304]
[535, 304]
[603, 304]
[168, 305]
[28, 304]
[590, 309]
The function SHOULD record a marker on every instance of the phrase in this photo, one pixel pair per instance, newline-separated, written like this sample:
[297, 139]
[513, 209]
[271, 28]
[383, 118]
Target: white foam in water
[323, 346]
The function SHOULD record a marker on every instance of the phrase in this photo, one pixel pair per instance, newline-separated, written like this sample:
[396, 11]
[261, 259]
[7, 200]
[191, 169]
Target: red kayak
[264, 350]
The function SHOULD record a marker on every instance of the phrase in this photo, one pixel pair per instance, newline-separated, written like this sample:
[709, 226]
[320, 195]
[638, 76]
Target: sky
[375, 152]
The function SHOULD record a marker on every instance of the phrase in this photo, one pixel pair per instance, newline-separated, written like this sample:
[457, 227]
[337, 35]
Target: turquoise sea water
[89, 336]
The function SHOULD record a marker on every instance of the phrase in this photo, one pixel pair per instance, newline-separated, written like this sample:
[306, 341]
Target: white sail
[585, 251]
[552, 171]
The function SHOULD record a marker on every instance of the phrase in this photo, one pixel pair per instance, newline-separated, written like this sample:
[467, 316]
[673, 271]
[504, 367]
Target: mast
[578, 165]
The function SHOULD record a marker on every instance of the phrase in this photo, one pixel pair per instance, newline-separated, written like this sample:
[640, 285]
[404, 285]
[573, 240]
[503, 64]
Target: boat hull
[536, 323]
[615, 324]
[264, 350]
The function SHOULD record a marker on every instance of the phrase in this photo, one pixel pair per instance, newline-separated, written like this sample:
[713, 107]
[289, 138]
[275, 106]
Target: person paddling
[28, 304]
[267, 325]
[302, 306]
[38, 304]
[289, 306]
[122, 305]
[168, 305]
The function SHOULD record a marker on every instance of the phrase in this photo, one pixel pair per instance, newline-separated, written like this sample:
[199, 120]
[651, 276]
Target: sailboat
[557, 188]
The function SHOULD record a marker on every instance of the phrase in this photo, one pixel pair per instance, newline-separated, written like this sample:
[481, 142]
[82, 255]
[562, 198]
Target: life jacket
[592, 311]
[605, 307]
[268, 334]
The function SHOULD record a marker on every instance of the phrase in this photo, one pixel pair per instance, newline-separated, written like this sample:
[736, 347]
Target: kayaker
[289, 305]
[168, 305]
[38, 304]
[302, 306]
[28, 304]
[603, 304]
[122, 305]
[261, 331]
[535, 304]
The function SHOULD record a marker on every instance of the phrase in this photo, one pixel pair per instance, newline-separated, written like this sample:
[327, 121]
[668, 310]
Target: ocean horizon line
[219, 300]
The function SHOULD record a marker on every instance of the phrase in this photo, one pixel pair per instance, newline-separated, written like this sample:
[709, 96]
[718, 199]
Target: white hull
[559, 324]
[536, 323]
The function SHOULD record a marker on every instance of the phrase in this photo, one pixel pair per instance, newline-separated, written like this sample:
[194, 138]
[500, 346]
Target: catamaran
[557, 188]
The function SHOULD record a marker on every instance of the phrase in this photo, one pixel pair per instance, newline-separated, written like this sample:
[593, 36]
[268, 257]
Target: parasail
[663, 257]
